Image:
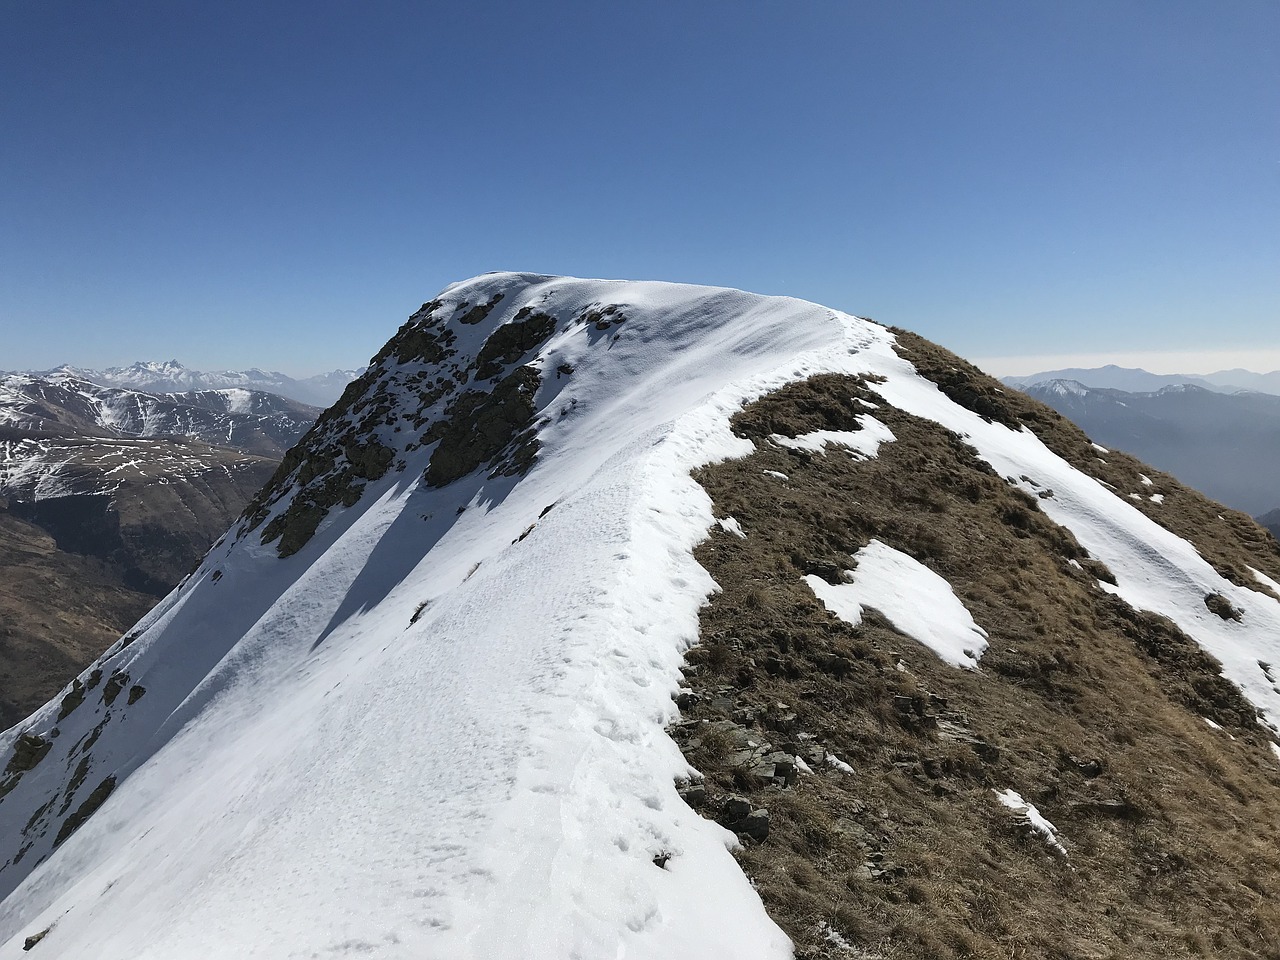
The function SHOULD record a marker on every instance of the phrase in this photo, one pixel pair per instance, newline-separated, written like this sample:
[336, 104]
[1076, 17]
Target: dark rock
[1223, 607]
[35, 938]
[686, 699]
[1088, 769]
[695, 795]
[511, 341]
[814, 756]
[115, 683]
[28, 750]
[833, 573]
[906, 705]
[755, 825]
[85, 810]
[736, 807]
[480, 310]
[480, 426]
[786, 770]
[73, 699]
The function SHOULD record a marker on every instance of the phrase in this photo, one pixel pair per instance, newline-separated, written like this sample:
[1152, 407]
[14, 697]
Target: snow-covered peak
[1063, 388]
[414, 704]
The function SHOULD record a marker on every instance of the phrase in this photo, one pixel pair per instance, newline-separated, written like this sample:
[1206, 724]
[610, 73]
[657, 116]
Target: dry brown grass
[58, 611]
[1090, 710]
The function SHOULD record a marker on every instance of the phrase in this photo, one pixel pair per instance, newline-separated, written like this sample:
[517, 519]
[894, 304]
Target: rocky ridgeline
[429, 386]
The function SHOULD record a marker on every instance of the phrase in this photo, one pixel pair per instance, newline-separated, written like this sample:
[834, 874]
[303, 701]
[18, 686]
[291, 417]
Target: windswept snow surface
[437, 730]
[914, 598]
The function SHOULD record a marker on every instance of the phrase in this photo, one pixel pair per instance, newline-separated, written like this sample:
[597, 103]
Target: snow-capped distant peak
[1063, 388]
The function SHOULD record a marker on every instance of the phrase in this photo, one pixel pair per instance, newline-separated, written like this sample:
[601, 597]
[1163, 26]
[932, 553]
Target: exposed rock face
[480, 426]
[477, 407]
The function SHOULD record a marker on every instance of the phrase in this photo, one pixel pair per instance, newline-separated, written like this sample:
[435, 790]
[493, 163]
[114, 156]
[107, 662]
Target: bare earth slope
[605, 619]
[58, 611]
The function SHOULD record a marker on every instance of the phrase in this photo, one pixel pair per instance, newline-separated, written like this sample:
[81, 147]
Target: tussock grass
[1090, 710]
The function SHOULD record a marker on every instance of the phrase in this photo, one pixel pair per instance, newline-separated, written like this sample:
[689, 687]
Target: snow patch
[915, 599]
[1266, 581]
[731, 525]
[834, 761]
[864, 443]
[1028, 814]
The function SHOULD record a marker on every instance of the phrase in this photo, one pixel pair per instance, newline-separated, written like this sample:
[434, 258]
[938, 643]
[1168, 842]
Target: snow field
[315, 773]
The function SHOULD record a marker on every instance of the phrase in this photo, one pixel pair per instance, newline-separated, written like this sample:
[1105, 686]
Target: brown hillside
[58, 611]
[1093, 712]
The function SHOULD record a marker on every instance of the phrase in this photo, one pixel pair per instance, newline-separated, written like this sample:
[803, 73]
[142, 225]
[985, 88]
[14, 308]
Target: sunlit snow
[915, 599]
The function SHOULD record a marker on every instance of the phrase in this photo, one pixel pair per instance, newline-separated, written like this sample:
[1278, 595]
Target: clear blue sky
[279, 185]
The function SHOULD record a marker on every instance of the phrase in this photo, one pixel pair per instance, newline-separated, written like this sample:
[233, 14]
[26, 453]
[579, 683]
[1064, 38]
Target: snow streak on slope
[436, 730]
[1155, 570]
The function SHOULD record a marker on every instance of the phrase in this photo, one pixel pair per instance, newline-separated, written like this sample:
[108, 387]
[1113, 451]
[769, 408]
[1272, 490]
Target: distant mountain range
[1136, 380]
[108, 496]
[252, 421]
[1271, 520]
[1225, 444]
[170, 376]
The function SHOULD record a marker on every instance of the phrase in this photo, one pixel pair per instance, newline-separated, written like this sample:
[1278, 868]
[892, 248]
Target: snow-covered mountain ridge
[415, 702]
[249, 420]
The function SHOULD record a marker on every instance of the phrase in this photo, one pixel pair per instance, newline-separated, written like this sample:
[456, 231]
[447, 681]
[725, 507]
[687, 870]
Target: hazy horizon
[1191, 363]
[1187, 363]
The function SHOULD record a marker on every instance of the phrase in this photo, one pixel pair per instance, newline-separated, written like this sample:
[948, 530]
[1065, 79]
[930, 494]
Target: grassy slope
[1090, 710]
